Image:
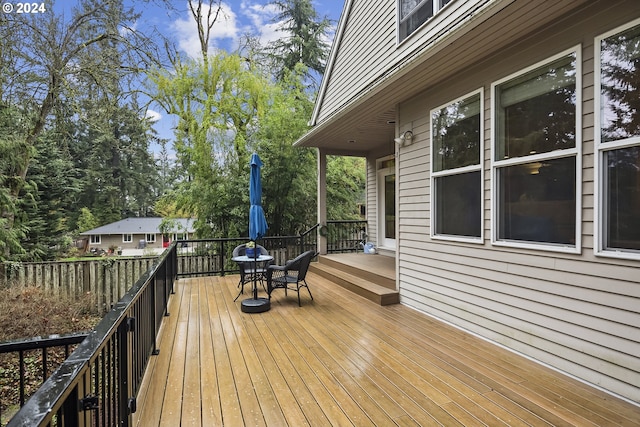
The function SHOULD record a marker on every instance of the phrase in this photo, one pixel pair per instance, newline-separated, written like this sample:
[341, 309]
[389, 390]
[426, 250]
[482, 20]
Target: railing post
[127, 402]
[222, 270]
[154, 314]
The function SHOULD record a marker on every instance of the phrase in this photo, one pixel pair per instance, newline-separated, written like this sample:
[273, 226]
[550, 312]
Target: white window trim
[124, 238]
[449, 172]
[573, 152]
[600, 149]
[96, 239]
[152, 239]
[435, 19]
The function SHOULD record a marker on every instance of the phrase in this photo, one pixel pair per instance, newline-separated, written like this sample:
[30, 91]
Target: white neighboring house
[138, 236]
[502, 140]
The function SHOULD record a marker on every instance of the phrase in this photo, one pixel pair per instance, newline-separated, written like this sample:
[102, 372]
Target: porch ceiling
[368, 122]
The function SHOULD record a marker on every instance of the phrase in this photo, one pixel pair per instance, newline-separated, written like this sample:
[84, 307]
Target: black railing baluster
[21, 359]
[44, 364]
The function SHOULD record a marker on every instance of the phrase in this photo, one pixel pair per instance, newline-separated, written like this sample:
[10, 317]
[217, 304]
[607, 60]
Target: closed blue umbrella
[257, 222]
[257, 229]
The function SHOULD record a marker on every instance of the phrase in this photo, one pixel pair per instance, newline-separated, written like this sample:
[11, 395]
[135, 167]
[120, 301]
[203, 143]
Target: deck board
[343, 360]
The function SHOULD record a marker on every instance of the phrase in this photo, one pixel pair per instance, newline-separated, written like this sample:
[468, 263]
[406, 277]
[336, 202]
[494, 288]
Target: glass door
[387, 203]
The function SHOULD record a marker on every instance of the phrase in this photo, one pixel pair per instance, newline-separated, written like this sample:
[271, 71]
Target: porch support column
[322, 199]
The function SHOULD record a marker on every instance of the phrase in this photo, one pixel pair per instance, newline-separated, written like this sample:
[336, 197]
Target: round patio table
[255, 304]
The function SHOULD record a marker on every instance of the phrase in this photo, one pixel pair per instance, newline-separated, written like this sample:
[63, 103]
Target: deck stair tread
[374, 287]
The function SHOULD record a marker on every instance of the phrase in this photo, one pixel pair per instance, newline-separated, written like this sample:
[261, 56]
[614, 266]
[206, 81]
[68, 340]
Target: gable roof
[369, 73]
[146, 225]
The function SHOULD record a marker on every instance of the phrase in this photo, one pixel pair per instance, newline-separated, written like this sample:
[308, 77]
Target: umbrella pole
[255, 304]
[255, 273]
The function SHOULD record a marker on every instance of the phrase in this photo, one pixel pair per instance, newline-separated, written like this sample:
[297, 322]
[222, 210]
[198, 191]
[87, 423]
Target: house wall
[370, 42]
[576, 312]
[372, 193]
[107, 241]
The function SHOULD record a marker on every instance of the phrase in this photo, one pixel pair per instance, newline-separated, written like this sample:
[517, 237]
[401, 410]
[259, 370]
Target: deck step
[348, 278]
[377, 269]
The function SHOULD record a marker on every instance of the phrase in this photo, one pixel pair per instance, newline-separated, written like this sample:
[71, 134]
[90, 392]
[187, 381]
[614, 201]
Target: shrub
[27, 312]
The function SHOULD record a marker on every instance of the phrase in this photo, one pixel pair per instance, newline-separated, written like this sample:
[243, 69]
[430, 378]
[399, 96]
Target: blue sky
[240, 17]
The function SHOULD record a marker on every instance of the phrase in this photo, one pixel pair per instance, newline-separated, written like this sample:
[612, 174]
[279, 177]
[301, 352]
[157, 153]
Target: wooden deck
[342, 360]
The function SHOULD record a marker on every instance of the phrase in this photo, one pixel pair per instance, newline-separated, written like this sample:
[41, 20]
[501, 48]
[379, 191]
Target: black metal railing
[97, 384]
[345, 236]
[39, 351]
[212, 257]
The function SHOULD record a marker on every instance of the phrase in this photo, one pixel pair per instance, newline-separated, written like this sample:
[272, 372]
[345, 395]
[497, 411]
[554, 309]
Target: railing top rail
[41, 342]
[235, 239]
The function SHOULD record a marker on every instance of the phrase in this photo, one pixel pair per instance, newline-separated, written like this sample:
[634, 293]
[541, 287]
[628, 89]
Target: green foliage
[289, 173]
[14, 152]
[119, 174]
[346, 184]
[86, 220]
[304, 41]
[72, 133]
[63, 97]
[218, 101]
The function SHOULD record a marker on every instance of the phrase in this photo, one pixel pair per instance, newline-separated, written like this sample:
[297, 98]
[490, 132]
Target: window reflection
[537, 111]
[455, 131]
[619, 89]
[459, 204]
[456, 134]
[538, 201]
[620, 86]
[623, 198]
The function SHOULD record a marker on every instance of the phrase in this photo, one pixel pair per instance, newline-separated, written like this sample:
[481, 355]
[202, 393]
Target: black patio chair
[290, 276]
[247, 270]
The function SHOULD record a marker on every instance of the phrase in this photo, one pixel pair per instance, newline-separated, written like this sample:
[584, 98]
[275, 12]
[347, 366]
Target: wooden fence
[106, 279]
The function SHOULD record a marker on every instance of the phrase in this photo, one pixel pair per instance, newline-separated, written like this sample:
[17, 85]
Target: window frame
[437, 7]
[127, 238]
[575, 152]
[150, 237]
[95, 239]
[457, 171]
[601, 149]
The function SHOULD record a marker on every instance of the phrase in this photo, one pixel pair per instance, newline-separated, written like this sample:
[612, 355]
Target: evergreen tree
[304, 40]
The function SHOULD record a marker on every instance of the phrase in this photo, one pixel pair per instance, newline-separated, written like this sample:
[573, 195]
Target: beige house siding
[372, 200]
[363, 46]
[576, 312]
[115, 240]
[370, 41]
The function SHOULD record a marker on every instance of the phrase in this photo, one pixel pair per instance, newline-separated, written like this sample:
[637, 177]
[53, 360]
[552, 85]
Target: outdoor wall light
[405, 137]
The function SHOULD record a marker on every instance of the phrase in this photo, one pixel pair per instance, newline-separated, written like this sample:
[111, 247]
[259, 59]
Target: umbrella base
[255, 305]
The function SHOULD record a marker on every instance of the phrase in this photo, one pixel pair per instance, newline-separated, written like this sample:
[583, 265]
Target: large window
[536, 160]
[414, 13]
[456, 170]
[618, 141]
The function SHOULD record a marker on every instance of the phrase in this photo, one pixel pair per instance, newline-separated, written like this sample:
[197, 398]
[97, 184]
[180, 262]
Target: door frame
[381, 174]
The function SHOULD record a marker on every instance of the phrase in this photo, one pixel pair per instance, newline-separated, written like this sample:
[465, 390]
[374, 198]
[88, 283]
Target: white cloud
[260, 18]
[249, 17]
[153, 115]
[224, 29]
